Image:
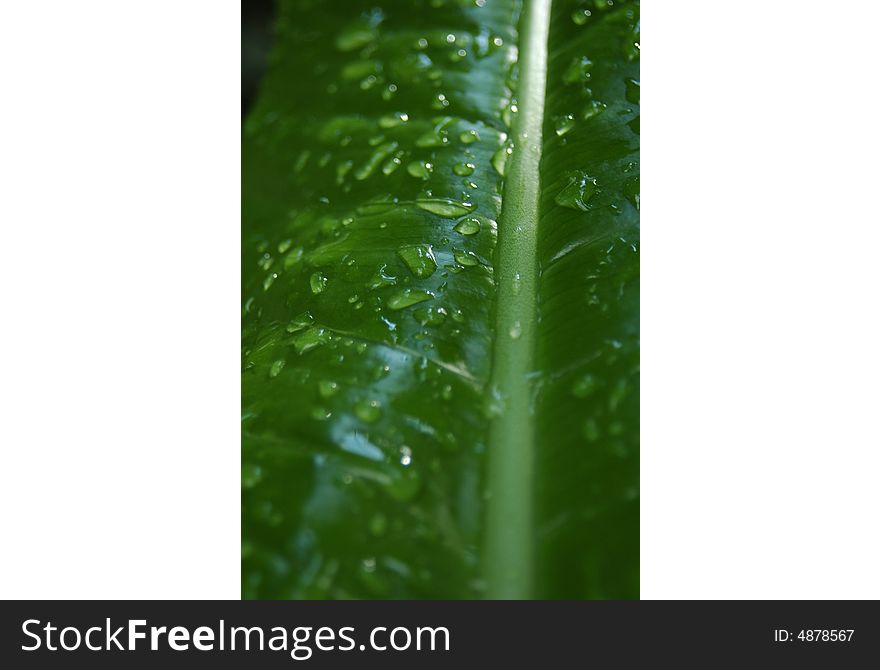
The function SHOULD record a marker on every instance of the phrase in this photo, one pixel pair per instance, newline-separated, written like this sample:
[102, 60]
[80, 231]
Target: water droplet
[318, 282]
[310, 339]
[327, 388]
[369, 82]
[405, 456]
[276, 367]
[269, 280]
[368, 411]
[499, 159]
[468, 226]
[431, 139]
[592, 108]
[581, 16]
[577, 193]
[468, 137]
[463, 169]
[467, 258]
[406, 297]
[284, 245]
[300, 322]
[393, 163]
[420, 169]
[445, 207]
[393, 120]
[457, 56]
[375, 160]
[430, 316]
[440, 101]
[564, 124]
[265, 261]
[320, 414]
[515, 330]
[419, 258]
[381, 278]
[508, 114]
[516, 284]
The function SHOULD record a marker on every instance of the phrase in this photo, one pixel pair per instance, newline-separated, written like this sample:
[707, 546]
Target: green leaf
[440, 284]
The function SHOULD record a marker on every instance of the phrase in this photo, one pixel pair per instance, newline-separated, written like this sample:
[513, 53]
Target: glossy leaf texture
[587, 502]
[373, 169]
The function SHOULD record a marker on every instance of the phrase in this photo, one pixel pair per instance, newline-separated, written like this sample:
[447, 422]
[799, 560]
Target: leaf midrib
[509, 536]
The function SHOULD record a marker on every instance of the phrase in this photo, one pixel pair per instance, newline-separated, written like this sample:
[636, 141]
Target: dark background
[256, 41]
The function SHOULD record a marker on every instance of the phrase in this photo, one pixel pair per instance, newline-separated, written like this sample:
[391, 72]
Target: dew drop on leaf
[393, 163]
[310, 339]
[320, 414]
[469, 226]
[516, 284]
[431, 139]
[467, 258]
[577, 193]
[515, 330]
[420, 169]
[592, 108]
[578, 70]
[419, 258]
[368, 411]
[406, 297]
[318, 282]
[405, 456]
[564, 124]
[327, 388]
[445, 207]
[382, 278]
[581, 16]
[430, 316]
[393, 120]
[375, 160]
[499, 159]
[276, 367]
[463, 169]
[300, 322]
